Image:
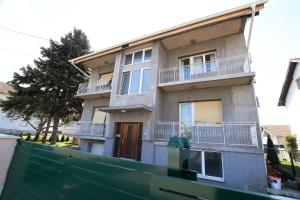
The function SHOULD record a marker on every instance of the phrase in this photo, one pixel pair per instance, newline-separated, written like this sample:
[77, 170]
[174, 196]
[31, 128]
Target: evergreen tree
[28, 138]
[67, 139]
[62, 139]
[290, 145]
[271, 152]
[61, 79]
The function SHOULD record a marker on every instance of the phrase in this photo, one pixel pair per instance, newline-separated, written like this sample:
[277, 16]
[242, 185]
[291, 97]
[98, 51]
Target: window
[105, 80]
[136, 81]
[208, 164]
[98, 116]
[200, 112]
[197, 65]
[298, 83]
[138, 56]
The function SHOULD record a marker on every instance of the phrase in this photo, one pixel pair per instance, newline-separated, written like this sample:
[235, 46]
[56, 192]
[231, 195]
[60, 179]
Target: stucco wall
[293, 105]
[7, 148]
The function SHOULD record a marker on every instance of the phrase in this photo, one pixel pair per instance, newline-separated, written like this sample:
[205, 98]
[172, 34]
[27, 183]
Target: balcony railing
[85, 129]
[243, 134]
[199, 71]
[104, 85]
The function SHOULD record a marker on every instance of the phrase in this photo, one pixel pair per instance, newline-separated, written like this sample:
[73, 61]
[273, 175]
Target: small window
[138, 57]
[125, 85]
[147, 55]
[128, 59]
[196, 161]
[98, 117]
[213, 164]
[298, 83]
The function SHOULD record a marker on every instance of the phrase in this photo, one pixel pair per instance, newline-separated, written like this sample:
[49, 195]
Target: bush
[67, 139]
[28, 138]
[62, 139]
[21, 135]
[290, 144]
[49, 140]
[271, 153]
[57, 138]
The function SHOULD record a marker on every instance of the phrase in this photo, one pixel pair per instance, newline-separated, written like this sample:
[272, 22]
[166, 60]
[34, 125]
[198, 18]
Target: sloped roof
[276, 130]
[4, 88]
[287, 81]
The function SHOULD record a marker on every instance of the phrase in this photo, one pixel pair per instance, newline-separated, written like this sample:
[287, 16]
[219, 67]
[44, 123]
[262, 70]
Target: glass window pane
[148, 54]
[125, 85]
[186, 114]
[213, 164]
[138, 57]
[146, 80]
[198, 62]
[135, 81]
[196, 161]
[128, 59]
[210, 63]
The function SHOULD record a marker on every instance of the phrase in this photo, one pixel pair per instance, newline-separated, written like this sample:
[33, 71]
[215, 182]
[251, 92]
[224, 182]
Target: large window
[138, 56]
[136, 81]
[208, 164]
[105, 80]
[194, 66]
[192, 113]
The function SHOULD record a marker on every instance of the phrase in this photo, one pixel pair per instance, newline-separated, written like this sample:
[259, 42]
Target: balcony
[227, 134]
[220, 72]
[85, 130]
[101, 89]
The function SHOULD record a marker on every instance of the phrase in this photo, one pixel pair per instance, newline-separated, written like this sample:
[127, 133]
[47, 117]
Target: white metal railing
[198, 71]
[103, 85]
[244, 134]
[85, 129]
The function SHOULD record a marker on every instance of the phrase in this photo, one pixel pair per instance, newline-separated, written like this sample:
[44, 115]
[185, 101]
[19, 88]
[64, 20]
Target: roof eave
[205, 21]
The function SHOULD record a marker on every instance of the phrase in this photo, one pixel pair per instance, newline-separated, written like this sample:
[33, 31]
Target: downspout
[253, 6]
[72, 63]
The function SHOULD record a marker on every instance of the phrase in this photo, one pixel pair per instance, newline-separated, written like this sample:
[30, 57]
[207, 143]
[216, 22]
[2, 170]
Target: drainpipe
[72, 63]
[253, 6]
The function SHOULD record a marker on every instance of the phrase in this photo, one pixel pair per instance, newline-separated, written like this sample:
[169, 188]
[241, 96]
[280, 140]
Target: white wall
[293, 104]
[8, 123]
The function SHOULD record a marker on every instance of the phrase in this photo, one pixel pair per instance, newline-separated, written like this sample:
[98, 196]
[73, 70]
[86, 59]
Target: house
[9, 125]
[276, 132]
[193, 80]
[290, 95]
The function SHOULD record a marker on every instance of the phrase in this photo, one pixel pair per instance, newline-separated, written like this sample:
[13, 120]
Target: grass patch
[287, 165]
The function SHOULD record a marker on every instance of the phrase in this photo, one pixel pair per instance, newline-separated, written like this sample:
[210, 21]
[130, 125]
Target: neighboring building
[276, 132]
[194, 80]
[290, 96]
[8, 125]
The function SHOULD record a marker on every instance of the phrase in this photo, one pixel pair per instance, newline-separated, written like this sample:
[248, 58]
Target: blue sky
[275, 37]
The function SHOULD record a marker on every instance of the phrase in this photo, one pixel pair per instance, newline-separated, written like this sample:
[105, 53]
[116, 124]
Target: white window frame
[130, 76]
[143, 56]
[192, 60]
[203, 175]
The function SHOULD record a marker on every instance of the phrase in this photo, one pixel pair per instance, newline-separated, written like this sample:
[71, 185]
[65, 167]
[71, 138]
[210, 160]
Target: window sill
[212, 178]
[138, 94]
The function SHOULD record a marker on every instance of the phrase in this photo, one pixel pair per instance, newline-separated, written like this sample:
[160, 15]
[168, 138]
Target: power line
[22, 33]
[18, 52]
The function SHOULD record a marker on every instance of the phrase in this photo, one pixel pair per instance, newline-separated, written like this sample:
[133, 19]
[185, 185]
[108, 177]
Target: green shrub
[57, 138]
[49, 139]
[62, 139]
[271, 153]
[67, 139]
[21, 135]
[28, 138]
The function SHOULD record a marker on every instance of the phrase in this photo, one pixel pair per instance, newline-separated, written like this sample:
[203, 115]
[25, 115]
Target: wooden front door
[128, 145]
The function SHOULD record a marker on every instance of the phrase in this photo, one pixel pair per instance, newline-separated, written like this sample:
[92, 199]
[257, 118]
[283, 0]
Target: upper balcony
[218, 72]
[89, 91]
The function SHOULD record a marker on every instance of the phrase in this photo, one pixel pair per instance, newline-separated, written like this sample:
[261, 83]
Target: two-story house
[192, 80]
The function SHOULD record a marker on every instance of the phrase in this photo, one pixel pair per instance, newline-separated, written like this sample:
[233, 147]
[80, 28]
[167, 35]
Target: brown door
[129, 143]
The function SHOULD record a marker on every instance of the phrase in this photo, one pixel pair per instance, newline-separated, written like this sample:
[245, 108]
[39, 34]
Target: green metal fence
[47, 173]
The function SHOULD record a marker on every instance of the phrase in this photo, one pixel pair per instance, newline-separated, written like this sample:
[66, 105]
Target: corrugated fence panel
[47, 173]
